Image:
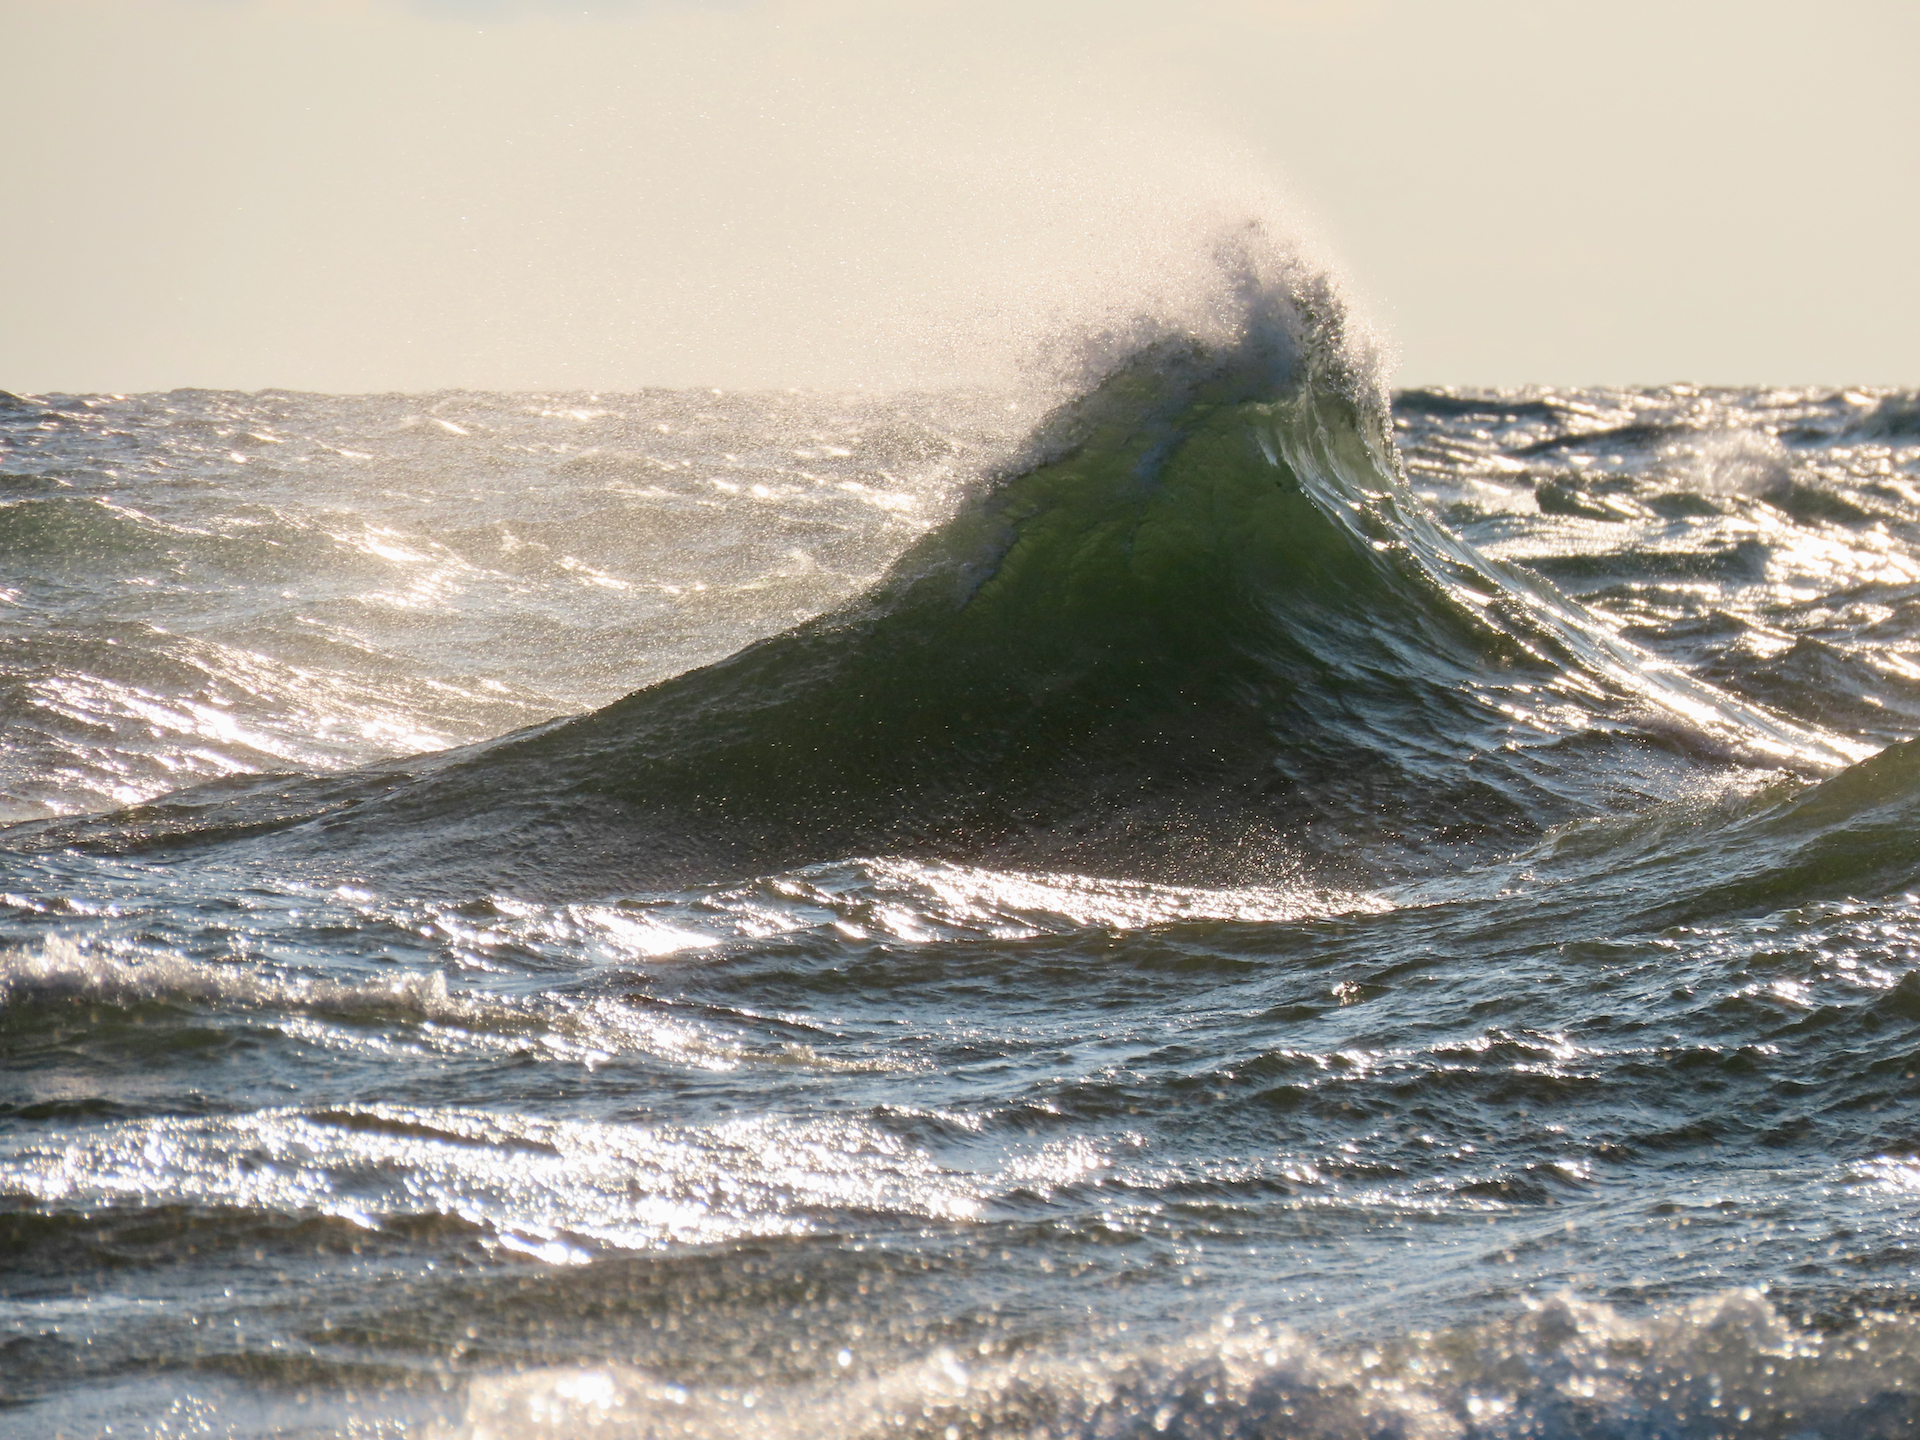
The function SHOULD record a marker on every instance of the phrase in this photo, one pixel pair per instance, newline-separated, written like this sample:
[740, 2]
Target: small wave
[348, 1016]
[1893, 417]
[916, 901]
[558, 1191]
[1746, 462]
[80, 532]
[1722, 1366]
[59, 971]
[1852, 835]
[1494, 405]
[1606, 437]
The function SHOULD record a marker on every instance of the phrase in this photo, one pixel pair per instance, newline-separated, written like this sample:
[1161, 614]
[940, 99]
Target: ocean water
[1237, 904]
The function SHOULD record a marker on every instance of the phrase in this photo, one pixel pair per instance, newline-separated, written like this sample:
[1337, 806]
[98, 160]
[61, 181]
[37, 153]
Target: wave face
[1219, 907]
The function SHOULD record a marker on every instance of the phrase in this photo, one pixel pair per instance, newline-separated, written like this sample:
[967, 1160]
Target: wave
[1724, 1365]
[561, 1191]
[350, 1016]
[1856, 835]
[59, 971]
[1890, 417]
[1200, 631]
[1748, 846]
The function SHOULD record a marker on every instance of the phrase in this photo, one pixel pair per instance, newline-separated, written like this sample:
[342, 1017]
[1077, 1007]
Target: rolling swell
[1203, 632]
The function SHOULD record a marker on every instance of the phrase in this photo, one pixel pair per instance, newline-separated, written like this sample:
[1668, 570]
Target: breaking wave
[1201, 632]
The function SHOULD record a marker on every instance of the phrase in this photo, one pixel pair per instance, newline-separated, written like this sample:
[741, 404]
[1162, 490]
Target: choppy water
[1266, 920]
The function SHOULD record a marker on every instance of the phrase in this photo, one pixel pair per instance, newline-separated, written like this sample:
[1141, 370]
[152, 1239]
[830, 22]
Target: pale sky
[354, 195]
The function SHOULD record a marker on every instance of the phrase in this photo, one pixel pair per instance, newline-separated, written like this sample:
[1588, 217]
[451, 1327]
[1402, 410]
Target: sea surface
[1236, 904]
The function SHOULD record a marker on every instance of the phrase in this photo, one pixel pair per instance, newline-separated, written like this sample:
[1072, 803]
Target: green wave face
[1208, 633]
